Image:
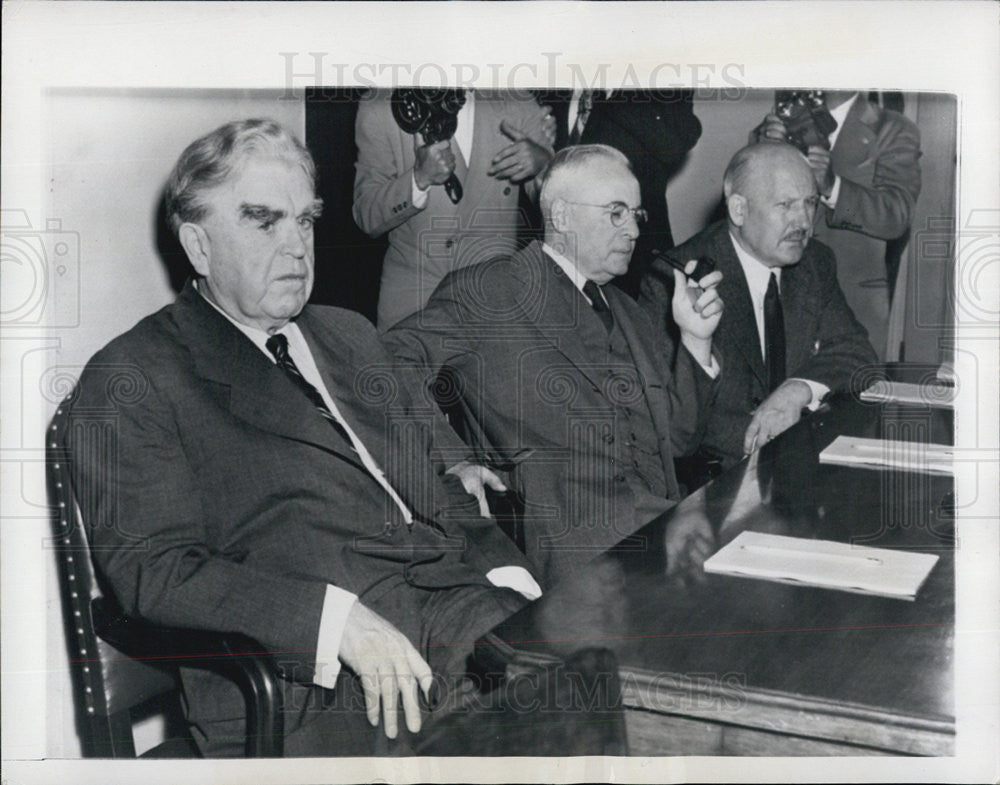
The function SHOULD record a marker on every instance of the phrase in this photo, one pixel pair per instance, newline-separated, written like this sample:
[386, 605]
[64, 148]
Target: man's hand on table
[779, 411]
[388, 666]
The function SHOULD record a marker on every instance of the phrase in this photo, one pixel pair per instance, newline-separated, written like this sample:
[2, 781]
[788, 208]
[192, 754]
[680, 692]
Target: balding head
[771, 202]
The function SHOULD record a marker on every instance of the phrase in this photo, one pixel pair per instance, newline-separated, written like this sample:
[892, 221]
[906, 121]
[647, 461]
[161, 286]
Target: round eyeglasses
[618, 212]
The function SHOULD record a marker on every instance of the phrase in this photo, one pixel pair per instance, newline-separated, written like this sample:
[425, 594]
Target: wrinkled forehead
[265, 179]
[787, 179]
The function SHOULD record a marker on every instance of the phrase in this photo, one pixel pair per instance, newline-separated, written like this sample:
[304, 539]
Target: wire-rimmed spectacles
[618, 212]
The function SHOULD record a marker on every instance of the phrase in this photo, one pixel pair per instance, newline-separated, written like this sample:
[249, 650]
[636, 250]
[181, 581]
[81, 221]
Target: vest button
[619, 477]
[449, 243]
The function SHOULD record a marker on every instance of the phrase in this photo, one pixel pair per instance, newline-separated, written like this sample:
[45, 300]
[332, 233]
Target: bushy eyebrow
[265, 214]
[261, 212]
[314, 210]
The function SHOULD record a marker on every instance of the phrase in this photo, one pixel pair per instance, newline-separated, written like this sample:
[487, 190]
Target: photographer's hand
[771, 130]
[822, 165]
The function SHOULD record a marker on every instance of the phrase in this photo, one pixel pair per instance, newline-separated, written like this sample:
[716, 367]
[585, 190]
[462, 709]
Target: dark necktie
[583, 110]
[774, 335]
[593, 292]
[278, 346]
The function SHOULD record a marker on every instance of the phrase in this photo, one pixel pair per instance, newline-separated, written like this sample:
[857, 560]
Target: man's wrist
[700, 348]
[830, 199]
[420, 183]
[802, 392]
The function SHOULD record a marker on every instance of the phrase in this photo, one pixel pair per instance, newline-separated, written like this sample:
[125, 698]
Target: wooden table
[723, 665]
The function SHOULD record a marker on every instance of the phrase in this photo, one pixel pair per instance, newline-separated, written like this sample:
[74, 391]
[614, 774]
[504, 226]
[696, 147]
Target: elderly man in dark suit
[255, 484]
[562, 374]
[787, 337]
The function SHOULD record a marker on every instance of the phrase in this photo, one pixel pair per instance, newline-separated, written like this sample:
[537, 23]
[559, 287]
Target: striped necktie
[278, 346]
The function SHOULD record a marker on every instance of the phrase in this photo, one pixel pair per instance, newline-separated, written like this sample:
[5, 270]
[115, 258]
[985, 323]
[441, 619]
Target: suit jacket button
[755, 401]
[449, 243]
[506, 191]
[619, 477]
[609, 438]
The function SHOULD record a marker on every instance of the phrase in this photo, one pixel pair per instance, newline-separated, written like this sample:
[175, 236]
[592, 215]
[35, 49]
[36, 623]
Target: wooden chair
[120, 664]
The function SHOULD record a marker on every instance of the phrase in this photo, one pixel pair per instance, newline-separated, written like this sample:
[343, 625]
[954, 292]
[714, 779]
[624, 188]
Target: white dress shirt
[462, 137]
[840, 115]
[579, 279]
[338, 602]
[758, 276]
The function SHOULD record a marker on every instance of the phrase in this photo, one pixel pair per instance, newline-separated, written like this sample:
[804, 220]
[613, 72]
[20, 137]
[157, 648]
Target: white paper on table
[946, 373]
[887, 453]
[825, 564]
[938, 395]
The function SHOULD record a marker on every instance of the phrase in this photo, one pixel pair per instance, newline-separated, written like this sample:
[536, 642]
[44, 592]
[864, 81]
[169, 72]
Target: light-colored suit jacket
[823, 340]
[529, 358]
[426, 244]
[877, 155]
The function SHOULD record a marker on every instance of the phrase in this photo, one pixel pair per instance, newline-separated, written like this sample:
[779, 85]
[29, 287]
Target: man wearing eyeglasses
[565, 383]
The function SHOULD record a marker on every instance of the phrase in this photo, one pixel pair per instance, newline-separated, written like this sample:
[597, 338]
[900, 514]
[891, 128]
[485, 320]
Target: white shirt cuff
[336, 606]
[516, 578]
[819, 391]
[831, 200]
[418, 197]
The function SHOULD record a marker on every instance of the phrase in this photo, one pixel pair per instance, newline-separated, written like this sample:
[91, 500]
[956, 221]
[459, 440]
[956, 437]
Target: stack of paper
[831, 565]
[886, 453]
[883, 391]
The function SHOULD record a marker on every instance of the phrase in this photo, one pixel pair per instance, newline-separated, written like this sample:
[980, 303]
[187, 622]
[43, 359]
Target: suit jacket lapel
[738, 328]
[854, 142]
[224, 355]
[339, 365]
[484, 128]
[562, 312]
[798, 306]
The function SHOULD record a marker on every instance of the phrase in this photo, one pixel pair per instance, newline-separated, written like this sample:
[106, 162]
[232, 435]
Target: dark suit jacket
[219, 498]
[656, 129]
[529, 355]
[823, 340]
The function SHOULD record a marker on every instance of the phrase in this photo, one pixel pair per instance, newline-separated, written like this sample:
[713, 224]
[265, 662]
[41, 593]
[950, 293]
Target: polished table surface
[839, 672]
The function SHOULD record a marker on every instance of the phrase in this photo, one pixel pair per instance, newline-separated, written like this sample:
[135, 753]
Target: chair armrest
[239, 657]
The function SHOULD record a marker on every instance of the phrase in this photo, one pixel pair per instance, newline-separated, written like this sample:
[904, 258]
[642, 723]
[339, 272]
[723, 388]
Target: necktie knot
[277, 345]
[599, 304]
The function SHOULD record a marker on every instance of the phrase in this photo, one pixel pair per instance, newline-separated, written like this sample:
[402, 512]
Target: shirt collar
[840, 115]
[578, 278]
[757, 273]
[255, 334]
